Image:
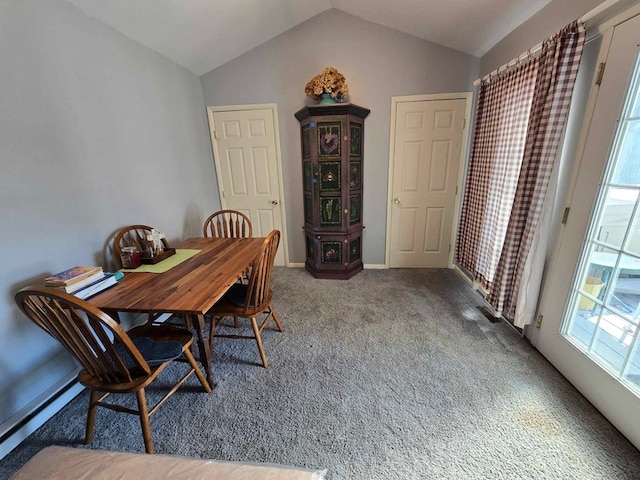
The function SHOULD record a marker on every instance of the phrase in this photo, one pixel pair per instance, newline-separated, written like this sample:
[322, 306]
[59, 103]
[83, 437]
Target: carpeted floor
[394, 374]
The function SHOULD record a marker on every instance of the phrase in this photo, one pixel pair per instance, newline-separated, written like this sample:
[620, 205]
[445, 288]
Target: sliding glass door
[605, 304]
[590, 303]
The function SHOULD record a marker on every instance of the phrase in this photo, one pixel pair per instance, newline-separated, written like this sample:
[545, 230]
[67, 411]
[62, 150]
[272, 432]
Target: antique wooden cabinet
[332, 138]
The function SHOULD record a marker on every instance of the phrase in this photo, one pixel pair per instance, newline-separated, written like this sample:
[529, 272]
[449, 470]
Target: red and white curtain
[519, 123]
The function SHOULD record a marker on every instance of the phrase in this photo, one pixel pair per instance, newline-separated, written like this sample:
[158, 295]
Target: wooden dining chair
[112, 360]
[227, 224]
[251, 300]
[133, 236]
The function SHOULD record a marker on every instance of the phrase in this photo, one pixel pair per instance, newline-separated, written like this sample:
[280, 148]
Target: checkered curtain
[559, 62]
[492, 177]
[519, 124]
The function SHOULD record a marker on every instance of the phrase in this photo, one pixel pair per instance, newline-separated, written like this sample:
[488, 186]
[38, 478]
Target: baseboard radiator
[28, 419]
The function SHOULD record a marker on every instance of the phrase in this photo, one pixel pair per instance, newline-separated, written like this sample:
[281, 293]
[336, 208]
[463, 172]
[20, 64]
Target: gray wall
[377, 62]
[543, 24]
[96, 132]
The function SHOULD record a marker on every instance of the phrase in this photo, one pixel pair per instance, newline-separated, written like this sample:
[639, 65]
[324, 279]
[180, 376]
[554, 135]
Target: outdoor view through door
[604, 310]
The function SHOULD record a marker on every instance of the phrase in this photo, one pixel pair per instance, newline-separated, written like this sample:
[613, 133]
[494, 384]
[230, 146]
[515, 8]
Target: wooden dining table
[188, 289]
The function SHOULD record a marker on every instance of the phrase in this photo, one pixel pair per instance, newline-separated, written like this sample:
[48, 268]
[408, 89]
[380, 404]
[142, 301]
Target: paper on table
[181, 255]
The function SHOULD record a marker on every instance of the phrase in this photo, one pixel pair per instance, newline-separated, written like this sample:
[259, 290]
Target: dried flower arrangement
[330, 81]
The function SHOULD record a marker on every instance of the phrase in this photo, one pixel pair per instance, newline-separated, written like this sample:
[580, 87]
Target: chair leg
[196, 368]
[144, 420]
[273, 313]
[188, 324]
[256, 332]
[235, 321]
[91, 416]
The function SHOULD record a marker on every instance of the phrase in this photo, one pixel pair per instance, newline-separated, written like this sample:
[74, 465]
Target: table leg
[113, 314]
[198, 322]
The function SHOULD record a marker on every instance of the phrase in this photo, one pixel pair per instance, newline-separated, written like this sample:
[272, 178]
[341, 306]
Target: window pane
[598, 272]
[616, 214]
[627, 171]
[613, 339]
[632, 373]
[636, 107]
[633, 240]
[583, 322]
[635, 97]
[624, 294]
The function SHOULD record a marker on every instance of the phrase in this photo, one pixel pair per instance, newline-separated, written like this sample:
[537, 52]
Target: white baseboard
[368, 266]
[375, 266]
[34, 415]
[463, 274]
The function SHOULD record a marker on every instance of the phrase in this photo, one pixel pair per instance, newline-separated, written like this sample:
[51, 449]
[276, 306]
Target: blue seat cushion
[237, 294]
[155, 353]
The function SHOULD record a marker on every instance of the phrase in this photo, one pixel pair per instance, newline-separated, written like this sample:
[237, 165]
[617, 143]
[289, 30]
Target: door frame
[603, 25]
[464, 147]
[276, 132]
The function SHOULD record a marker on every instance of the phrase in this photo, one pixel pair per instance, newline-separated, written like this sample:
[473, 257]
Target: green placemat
[181, 255]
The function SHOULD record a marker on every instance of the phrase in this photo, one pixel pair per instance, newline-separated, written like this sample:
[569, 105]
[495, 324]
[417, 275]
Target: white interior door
[427, 153]
[248, 167]
[590, 329]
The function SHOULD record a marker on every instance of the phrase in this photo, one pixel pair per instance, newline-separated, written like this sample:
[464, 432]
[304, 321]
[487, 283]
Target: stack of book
[82, 282]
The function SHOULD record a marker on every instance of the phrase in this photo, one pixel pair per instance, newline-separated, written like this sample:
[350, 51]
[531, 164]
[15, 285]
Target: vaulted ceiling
[201, 35]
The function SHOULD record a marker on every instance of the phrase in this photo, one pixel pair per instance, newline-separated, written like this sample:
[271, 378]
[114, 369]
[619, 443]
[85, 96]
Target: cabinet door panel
[329, 139]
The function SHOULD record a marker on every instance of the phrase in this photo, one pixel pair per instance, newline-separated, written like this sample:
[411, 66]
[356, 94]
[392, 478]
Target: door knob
[274, 202]
[396, 201]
